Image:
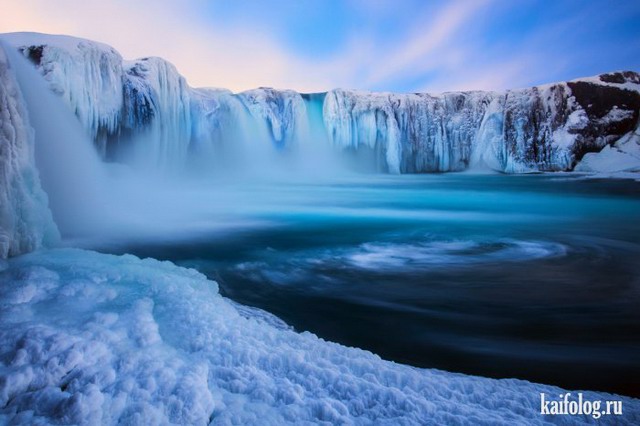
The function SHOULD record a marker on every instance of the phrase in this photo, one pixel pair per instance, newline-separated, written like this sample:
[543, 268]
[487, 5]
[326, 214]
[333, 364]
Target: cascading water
[210, 140]
[96, 201]
[317, 154]
[71, 172]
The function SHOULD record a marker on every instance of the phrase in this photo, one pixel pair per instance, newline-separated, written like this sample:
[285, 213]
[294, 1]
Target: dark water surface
[535, 277]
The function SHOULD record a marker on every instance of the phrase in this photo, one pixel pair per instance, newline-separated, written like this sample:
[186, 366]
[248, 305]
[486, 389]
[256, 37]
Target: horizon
[369, 46]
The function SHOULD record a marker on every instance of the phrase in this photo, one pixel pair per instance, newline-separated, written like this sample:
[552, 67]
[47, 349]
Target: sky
[378, 45]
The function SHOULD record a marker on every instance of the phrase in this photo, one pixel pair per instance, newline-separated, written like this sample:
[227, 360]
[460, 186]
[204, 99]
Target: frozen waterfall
[142, 112]
[25, 219]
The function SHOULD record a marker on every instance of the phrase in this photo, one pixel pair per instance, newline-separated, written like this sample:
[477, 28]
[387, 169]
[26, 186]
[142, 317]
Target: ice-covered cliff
[145, 108]
[157, 107]
[284, 113]
[86, 74]
[25, 220]
[544, 128]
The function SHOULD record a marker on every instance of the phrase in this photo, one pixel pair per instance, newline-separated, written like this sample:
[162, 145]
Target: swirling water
[535, 277]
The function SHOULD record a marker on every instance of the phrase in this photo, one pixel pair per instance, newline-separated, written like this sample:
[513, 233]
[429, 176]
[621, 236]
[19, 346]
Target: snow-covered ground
[89, 338]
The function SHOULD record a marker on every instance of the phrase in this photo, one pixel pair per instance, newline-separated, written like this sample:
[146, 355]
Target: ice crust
[621, 157]
[91, 338]
[25, 220]
[86, 74]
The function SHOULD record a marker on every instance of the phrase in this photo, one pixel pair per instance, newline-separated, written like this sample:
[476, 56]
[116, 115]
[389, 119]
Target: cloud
[245, 56]
[238, 58]
[429, 44]
[417, 46]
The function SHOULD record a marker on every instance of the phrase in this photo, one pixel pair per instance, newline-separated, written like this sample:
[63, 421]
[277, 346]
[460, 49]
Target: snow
[25, 220]
[565, 136]
[623, 156]
[86, 74]
[91, 338]
[617, 114]
[628, 84]
[66, 42]
[609, 160]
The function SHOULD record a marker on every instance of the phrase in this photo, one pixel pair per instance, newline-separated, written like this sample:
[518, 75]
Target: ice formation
[546, 128]
[25, 220]
[88, 337]
[86, 74]
[92, 338]
[623, 156]
[283, 111]
[157, 103]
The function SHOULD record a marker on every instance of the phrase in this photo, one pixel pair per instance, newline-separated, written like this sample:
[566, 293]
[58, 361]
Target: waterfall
[71, 172]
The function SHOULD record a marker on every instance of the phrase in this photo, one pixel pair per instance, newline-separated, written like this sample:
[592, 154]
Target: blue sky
[382, 45]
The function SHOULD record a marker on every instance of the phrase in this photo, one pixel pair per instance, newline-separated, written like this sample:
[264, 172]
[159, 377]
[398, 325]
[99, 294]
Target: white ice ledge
[88, 338]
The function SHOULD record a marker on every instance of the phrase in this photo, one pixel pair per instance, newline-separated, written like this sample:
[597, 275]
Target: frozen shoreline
[89, 337]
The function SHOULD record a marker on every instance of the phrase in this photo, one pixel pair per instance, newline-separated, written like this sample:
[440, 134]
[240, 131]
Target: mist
[229, 175]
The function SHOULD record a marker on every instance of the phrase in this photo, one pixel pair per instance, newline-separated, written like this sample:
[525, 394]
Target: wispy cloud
[428, 44]
[237, 59]
[431, 46]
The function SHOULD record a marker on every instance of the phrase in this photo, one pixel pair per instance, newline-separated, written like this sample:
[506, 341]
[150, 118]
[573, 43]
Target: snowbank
[623, 156]
[89, 338]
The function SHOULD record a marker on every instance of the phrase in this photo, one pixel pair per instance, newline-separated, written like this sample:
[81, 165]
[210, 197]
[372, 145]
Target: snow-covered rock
[25, 219]
[623, 156]
[88, 338]
[547, 128]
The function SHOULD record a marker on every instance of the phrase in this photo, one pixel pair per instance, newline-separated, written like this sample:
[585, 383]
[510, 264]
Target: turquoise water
[535, 277]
